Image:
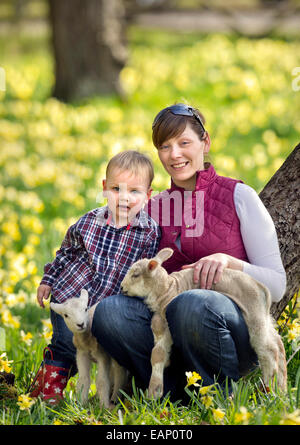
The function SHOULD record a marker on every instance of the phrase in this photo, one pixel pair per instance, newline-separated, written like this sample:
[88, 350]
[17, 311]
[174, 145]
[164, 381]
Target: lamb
[148, 279]
[78, 318]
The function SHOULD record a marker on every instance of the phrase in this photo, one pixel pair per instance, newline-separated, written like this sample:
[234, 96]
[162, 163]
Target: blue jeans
[208, 330]
[61, 345]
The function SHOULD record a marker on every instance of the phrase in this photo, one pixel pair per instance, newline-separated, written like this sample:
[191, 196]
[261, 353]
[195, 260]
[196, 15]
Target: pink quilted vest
[204, 220]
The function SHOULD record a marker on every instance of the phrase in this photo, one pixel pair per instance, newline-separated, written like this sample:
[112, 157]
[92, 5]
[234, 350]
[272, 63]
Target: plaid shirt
[95, 255]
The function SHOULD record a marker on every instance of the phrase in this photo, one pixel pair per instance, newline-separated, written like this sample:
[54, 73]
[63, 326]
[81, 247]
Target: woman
[211, 222]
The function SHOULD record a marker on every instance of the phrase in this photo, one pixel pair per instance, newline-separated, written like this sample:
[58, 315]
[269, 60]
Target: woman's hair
[168, 125]
[134, 162]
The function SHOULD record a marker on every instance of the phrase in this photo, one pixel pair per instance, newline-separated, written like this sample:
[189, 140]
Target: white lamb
[149, 280]
[110, 374]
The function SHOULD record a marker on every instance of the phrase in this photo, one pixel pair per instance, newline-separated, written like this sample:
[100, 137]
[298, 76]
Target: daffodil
[192, 378]
[218, 414]
[242, 416]
[9, 320]
[47, 324]
[207, 401]
[47, 335]
[26, 338]
[5, 363]
[25, 402]
[291, 418]
[292, 334]
[205, 389]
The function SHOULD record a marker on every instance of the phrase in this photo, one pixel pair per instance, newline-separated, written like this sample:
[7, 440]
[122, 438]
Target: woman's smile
[180, 166]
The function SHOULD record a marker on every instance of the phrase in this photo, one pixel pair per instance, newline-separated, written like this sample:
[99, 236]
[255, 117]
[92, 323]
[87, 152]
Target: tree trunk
[281, 196]
[89, 47]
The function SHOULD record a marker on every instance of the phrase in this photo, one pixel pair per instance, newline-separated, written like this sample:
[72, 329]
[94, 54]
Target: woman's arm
[260, 241]
[261, 244]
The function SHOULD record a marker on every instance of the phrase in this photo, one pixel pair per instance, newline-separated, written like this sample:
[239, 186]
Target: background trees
[89, 47]
[281, 196]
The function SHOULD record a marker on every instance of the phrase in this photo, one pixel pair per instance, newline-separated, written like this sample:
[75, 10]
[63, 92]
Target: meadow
[52, 161]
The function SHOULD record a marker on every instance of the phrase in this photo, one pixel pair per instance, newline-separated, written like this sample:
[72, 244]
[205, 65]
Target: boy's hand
[43, 292]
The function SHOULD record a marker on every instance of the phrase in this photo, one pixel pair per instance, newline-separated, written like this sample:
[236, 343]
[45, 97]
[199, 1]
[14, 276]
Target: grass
[52, 161]
[247, 405]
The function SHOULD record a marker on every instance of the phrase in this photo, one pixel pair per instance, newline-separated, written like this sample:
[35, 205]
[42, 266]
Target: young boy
[96, 253]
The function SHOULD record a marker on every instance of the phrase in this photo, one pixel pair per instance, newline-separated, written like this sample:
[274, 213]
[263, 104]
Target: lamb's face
[135, 283]
[145, 275]
[75, 312]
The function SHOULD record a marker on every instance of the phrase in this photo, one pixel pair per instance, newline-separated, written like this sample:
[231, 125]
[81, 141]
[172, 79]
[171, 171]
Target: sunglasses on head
[182, 110]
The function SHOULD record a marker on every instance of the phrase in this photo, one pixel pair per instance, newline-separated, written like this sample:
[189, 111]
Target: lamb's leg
[103, 383]
[263, 342]
[282, 369]
[83, 382]
[268, 359]
[160, 355]
[119, 379]
[270, 351]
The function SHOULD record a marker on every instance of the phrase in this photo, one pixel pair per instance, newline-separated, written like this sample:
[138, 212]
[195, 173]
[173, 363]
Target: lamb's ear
[164, 254]
[84, 296]
[152, 265]
[84, 293]
[56, 307]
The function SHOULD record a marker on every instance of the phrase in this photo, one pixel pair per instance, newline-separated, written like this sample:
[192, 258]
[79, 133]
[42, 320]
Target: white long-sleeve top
[260, 241]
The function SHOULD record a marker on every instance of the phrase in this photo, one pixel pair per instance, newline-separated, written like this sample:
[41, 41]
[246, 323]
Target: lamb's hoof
[155, 391]
[107, 405]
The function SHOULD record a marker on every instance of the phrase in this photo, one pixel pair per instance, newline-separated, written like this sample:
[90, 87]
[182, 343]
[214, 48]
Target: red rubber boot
[51, 379]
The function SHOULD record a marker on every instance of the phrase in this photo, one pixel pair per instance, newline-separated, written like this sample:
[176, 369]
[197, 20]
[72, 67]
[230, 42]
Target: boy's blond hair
[132, 161]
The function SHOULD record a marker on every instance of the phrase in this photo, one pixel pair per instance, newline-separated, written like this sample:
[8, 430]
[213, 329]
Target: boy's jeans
[62, 341]
[209, 336]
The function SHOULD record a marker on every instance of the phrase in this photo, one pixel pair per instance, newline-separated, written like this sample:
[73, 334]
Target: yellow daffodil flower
[192, 378]
[207, 401]
[242, 416]
[25, 402]
[26, 338]
[291, 418]
[5, 363]
[218, 414]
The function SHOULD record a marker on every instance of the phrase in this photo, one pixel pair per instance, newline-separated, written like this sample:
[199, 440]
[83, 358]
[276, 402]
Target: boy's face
[126, 194]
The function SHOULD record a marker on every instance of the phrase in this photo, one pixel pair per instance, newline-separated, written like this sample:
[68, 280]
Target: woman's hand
[209, 269]
[43, 292]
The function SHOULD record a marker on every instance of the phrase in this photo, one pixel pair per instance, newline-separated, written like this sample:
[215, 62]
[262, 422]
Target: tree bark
[89, 47]
[281, 196]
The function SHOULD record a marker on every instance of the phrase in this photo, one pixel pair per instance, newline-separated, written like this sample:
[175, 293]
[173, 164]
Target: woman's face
[183, 155]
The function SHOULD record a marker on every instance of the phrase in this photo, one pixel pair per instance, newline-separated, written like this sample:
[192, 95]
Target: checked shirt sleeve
[67, 253]
[151, 247]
